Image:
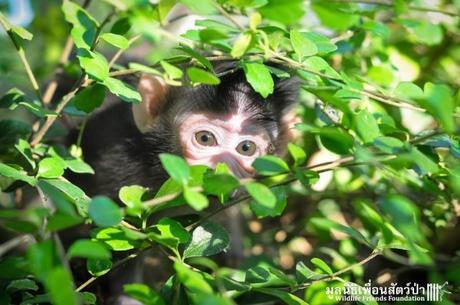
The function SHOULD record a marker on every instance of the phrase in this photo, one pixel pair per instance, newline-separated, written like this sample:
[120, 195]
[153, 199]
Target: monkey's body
[119, 153]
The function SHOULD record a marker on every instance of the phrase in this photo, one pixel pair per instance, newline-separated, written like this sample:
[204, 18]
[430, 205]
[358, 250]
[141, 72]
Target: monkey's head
[229, 123]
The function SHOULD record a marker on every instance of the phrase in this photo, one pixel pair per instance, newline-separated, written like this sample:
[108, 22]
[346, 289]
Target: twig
[52, 86]
[24, 60]
[51, 119]
[229, 17]
[334, 276]
[389, 4]
[116, 265]
[120, 51]
[68, 97]
[14, 242]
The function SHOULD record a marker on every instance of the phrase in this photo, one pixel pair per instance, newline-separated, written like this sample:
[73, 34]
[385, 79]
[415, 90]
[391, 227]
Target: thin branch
[229, 17]
[68, 97]
[23, 58]
[116, 265]
[120, 51]
[51, 119]
[52, 86]
[389, 4]
[15, 242]
[334, 276]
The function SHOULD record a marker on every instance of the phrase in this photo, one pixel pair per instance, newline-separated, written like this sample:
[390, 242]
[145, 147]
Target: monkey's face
[233, 139]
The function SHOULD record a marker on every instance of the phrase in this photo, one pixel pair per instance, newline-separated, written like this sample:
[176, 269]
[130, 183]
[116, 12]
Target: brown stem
[52, 86]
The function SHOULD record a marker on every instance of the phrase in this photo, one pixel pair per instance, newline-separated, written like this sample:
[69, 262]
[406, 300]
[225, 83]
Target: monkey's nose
[239, 167]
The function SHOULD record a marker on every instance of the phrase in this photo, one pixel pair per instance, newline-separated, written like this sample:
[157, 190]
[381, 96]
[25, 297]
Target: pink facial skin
[228, 131]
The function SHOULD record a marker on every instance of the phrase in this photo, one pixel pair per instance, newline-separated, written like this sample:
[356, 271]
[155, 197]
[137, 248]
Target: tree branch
[389, 4]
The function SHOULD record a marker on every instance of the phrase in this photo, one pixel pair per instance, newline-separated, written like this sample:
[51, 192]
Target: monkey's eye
[205, 138]
[247, 148]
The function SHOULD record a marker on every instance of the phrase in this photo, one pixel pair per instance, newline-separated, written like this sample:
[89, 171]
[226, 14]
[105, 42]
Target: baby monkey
[229, 123]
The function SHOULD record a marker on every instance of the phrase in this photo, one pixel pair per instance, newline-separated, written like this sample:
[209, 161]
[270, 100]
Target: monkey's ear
[153, 91]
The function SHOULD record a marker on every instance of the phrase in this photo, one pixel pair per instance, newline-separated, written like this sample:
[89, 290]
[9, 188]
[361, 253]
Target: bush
[379, 103]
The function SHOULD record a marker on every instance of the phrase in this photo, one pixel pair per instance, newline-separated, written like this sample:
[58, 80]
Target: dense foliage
[380, 100]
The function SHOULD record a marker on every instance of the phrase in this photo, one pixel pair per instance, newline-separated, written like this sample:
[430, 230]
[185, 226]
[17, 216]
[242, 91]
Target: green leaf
[261, 194]
[60, 287]
[59, 221]
[18, 33]
[94, 64]
[42, 258]
[323, 43]
[25, 150]
[192, 280]
[173, 229]
[132, 197]
[241, 45]
[143, 68]
[143, 294]
[15, 98]
[198, 75]
[328, 225]
[72, 192]
[283, 11]
[302, 45]
[319, 65]
[89, 249]
[207, 239]
[104, 212]
[321, 265]
[98, 267]
[202, 7]
[297, 153]
[284, 296]
[333, 138]
[200, 58]
[121, 26]
[428, 33]
[90, 98]
[403, 216]
[255, 20]
[195, 199]
[440, 103]
[270, 165]
[176, 167]
[305, 274]
[20, 285]
[13, 173]
[367, 126]
[84, 25]
[116, 239]
[122, 90]
[116, 40]
[264, 210]
[220, 185]
[389, 145]
[172, 71]
[337, 16]
[410, 91]
[424, 163]
[51, 167]
[260, 78]
[79, 166]
[120, 5]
